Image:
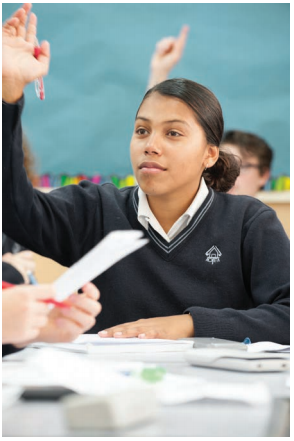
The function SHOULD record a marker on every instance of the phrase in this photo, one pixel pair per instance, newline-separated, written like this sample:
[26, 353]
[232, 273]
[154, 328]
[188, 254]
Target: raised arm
[58, 224]
[19, 66]
[168, 53]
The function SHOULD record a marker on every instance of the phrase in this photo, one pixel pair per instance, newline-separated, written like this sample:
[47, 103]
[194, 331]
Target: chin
[150, 189]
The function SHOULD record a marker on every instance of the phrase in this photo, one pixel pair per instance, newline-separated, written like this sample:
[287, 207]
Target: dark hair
[250, 145]
[208, 112]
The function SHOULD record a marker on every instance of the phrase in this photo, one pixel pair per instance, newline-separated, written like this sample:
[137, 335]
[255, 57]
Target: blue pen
[32, 278]
[247, 341]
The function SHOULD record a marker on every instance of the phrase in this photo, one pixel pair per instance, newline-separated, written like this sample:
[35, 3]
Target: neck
[168, 208]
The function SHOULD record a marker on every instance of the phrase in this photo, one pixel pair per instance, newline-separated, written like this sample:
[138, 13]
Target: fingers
[91, 291]
[45, 52]
[86, 304]
[22, 15]
[182, 38]
[126, 330]
[81, 319]
[165, 45]
[31, 29]
[42, 292]
[149, 334]
[10, 26]
[27, 7]
[84, 308]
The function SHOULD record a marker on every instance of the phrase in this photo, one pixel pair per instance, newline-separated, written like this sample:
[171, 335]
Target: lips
[151, 165]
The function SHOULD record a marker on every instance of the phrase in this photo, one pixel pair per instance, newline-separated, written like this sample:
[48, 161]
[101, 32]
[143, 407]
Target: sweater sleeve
[266, 271]
[59, 224]
[11, 275]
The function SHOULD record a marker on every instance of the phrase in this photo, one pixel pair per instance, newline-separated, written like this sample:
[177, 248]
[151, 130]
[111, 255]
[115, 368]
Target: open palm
[19, 66]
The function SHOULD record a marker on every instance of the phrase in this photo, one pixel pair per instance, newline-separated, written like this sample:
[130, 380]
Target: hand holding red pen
[26, 318]
[23, 313]
[19, 65]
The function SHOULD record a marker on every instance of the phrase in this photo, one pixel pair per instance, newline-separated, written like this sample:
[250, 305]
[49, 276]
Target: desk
[199, 418]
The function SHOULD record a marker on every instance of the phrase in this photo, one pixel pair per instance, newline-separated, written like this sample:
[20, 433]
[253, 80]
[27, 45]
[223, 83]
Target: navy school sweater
[229, 268]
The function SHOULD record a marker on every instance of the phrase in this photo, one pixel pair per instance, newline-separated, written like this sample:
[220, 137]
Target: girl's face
[169, 150]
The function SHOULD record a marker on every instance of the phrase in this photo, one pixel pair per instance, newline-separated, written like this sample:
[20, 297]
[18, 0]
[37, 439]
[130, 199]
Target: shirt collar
[145, 213]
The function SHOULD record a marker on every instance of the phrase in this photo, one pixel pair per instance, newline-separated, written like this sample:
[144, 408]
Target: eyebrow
[164, 122]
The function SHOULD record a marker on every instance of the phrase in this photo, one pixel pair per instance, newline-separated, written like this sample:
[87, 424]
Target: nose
[153, 146]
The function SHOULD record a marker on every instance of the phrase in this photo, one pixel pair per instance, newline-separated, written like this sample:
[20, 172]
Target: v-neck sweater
[229, 268]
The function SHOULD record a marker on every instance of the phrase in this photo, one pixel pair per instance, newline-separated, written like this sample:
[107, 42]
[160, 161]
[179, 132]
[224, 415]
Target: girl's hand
[173, 327]
[19, 66]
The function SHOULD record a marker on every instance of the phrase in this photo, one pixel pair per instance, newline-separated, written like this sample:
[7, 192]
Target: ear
[212, 155]
[264, 178]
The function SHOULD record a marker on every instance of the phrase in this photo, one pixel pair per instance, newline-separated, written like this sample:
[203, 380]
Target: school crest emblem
[213, 255]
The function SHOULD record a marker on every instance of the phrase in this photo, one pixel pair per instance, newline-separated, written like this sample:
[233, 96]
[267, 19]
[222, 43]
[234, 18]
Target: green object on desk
[152, 375]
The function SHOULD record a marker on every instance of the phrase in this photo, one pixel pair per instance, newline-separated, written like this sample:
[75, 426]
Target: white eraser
[111, 411]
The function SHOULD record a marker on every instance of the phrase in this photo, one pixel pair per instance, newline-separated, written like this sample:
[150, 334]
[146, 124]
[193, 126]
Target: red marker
[50, 301]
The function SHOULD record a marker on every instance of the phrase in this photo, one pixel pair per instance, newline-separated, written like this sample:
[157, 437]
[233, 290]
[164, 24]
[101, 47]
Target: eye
[141, 131]
[173, 133]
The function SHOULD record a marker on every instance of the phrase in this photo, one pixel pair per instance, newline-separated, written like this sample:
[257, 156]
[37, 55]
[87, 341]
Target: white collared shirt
[146, 217]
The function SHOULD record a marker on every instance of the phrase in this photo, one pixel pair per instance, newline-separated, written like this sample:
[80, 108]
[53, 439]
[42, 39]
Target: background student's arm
[168, 53]
[56, 224]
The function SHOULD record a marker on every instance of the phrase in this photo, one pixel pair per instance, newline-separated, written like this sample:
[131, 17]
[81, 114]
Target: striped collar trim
[181, 236]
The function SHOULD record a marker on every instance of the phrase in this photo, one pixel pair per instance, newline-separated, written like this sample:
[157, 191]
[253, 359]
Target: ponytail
[223, 174]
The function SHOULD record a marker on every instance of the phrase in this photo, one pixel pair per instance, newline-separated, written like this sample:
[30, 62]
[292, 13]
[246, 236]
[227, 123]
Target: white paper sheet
[267, 346]
[98, 377]
[94, 344]
[114, 247]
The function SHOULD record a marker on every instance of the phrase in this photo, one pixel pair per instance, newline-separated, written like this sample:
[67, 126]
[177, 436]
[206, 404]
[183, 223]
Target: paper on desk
[114, 247]
[99, 378]
[94, 344]
[267, 346]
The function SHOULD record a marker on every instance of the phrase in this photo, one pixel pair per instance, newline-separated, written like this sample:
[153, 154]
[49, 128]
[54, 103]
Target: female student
[216, 265]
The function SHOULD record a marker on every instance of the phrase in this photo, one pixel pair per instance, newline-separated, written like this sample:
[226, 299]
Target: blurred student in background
[256, 158]
[254, 153]
[17, 261]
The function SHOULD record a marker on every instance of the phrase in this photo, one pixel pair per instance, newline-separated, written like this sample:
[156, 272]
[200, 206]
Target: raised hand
[167, 54]
[19, 66]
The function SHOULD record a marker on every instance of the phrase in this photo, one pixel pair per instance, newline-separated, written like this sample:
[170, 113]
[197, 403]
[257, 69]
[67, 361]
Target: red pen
[39, 83]
[50, 301]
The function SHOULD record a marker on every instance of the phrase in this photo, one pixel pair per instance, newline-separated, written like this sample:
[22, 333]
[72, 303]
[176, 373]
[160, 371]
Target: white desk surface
[199, 418]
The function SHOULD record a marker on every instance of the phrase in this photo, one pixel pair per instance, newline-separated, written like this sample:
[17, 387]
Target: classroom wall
[99, 72]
